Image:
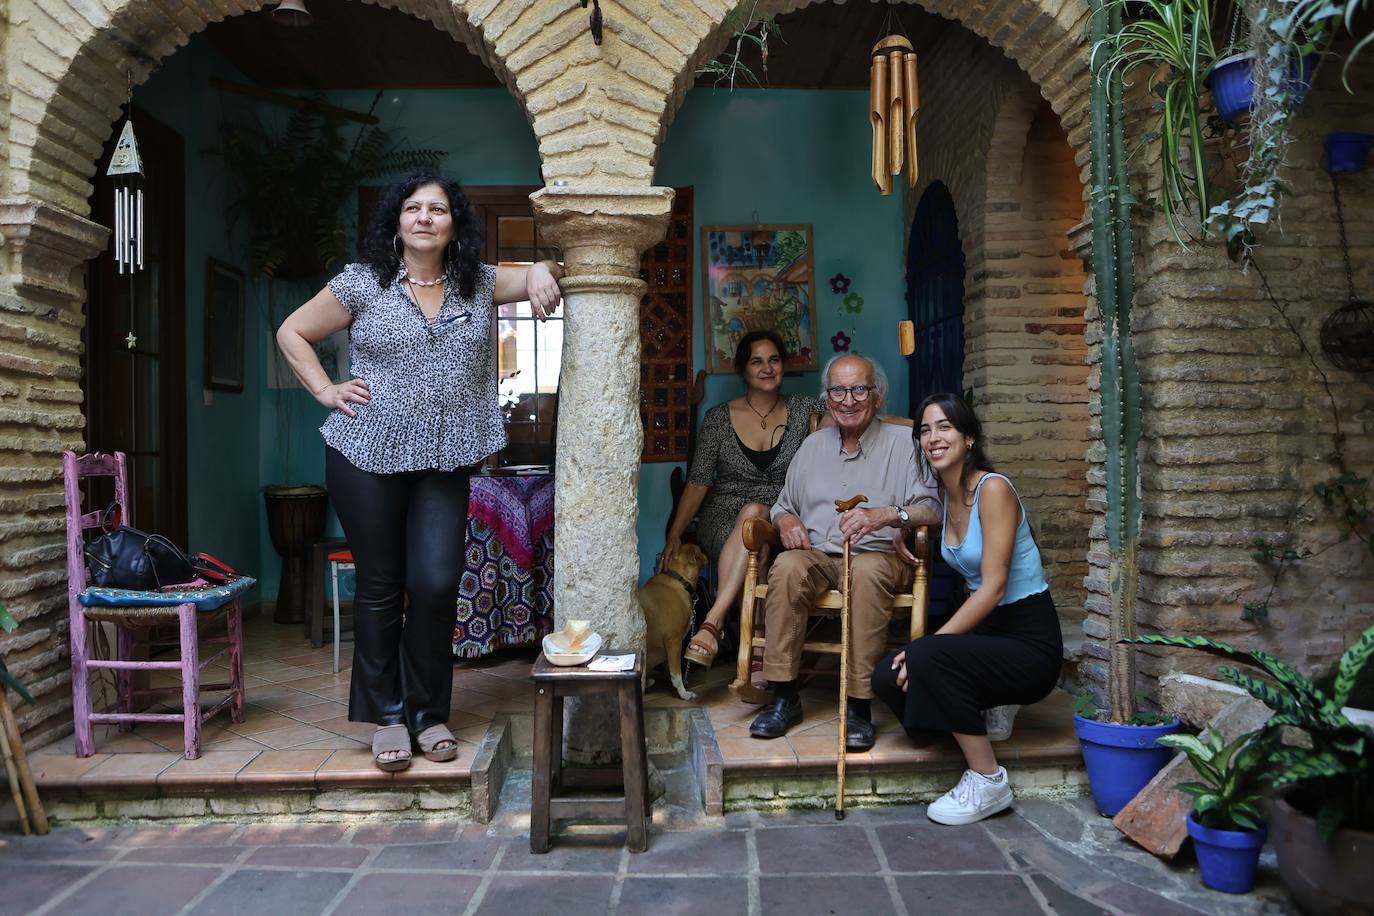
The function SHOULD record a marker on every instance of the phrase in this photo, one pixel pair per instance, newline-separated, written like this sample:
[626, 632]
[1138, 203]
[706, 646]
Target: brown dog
[666, 600]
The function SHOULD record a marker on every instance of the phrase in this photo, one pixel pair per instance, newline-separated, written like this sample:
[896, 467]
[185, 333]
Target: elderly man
[859, 454]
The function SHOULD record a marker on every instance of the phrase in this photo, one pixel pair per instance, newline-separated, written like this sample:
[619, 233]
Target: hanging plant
[290, 186]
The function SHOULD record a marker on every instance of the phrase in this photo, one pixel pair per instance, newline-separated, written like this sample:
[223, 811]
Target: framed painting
[758, 278]
[223, 327]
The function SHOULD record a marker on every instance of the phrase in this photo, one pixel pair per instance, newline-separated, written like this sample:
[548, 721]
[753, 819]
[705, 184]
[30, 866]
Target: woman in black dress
[740, 464]
[1002, 648]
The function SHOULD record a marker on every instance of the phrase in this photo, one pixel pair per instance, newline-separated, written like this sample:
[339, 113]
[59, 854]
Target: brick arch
[69, 86]
[1047, 39]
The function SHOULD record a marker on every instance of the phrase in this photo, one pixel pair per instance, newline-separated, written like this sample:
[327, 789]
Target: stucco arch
[70, 79]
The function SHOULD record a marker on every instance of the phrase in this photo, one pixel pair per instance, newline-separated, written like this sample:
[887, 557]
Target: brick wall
[988, 135]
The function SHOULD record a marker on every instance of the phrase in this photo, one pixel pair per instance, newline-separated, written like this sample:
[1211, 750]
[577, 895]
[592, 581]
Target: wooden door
[136, 399]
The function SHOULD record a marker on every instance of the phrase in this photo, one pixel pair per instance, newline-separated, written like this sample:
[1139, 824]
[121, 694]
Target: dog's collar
[691, 589]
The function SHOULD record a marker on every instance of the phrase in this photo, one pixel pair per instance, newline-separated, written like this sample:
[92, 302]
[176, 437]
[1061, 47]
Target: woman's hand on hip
[542, 290]
[338, 397]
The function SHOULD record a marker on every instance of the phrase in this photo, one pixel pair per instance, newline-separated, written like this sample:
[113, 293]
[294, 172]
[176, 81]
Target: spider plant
[1170, 40]
[7, 680]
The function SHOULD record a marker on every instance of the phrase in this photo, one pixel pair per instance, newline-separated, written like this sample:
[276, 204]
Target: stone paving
[1046, 857]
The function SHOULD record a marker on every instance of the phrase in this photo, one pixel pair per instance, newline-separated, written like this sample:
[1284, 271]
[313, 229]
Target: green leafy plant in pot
[1225, 823]
[1323, 819]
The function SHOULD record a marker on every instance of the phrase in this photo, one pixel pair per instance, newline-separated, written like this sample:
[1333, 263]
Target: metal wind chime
[126, 170]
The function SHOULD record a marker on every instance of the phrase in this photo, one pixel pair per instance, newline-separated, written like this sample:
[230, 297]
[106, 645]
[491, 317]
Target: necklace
[763, 417]
[435, 282]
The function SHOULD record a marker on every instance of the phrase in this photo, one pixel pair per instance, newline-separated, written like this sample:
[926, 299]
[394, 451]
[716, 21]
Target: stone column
[601, 234]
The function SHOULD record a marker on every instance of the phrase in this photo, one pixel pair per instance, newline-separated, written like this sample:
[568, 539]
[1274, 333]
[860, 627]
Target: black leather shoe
[859, 733]
[777, 717]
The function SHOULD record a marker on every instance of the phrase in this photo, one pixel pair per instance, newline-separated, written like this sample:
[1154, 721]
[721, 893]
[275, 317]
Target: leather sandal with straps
[391, 739]
[437, 743]
[697, 653]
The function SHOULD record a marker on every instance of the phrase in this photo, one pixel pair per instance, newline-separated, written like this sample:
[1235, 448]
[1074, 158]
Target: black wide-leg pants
[407, 532]
[1012, 658]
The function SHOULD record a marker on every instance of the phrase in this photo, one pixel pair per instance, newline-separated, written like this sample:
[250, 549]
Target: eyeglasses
[860, 392]
[441, 326]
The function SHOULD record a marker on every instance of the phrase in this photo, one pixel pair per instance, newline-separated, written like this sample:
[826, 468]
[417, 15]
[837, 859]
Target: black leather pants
[407, 532]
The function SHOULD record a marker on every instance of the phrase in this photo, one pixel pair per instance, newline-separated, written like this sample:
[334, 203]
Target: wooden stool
[551, 777]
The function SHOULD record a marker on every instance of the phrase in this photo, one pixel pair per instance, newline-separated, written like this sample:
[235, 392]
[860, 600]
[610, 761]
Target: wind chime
[126, 171]
[894, 103]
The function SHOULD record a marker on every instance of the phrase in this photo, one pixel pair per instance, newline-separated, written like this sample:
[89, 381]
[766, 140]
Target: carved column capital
[48, 247]
[602, 231]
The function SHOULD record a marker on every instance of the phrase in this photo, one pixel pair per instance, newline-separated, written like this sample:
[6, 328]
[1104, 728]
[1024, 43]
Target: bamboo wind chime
[126, 170]
[894, 104]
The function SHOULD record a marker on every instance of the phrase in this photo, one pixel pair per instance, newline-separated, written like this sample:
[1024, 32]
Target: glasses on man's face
[860, 392]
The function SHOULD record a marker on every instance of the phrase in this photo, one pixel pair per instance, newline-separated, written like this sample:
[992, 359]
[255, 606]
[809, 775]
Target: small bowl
[554, 652]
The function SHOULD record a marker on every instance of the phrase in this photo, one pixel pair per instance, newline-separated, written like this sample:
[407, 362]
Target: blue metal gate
[935, 296]
[935, 303]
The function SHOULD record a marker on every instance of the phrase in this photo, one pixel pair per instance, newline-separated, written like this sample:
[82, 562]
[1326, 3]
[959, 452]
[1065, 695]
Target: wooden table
[551, 777]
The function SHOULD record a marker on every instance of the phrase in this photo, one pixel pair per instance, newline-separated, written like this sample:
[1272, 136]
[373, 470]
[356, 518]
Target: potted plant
[1121, 757]
[1225, 822]
[1323, 818]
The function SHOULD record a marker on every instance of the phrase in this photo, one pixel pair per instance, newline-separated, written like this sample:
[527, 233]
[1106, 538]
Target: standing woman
[737, 471]
[1002, 647]
[404, 438]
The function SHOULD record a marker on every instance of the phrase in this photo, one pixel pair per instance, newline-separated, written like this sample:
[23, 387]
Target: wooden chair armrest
[918, 539]
[759, 533]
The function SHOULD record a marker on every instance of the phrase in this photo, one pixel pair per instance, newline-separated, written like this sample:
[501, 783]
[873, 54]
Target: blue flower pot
[1233, 88]
[1121, 759]
[1228, 858]
[1347, 152]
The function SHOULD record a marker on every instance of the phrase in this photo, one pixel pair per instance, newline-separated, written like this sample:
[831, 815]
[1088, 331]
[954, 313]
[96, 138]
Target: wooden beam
[291, 101]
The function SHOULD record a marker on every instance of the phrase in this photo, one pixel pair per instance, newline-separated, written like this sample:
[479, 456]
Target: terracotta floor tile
[315, 681]
[62, 769]
[768, 754]
[351, 768]
[332, 743]
[424, 771]
[259, 721]
[317, 711]
[283, 768]
[294, 735]
[127, 743]
[474, 734]
[340, 725]
[811, 750]
[122, 769]
[211, 768]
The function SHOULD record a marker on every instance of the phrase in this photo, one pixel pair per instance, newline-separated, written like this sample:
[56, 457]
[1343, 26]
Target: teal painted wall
[752, 155]
[781, 156]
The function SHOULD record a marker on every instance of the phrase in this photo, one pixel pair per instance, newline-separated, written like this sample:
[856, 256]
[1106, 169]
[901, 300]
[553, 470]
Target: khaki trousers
[798, 577]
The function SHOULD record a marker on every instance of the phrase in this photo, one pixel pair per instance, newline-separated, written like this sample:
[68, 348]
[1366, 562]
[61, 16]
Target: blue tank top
[1026, 576]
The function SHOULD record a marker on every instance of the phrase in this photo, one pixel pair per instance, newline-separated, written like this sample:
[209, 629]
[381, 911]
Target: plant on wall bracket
[748, 31]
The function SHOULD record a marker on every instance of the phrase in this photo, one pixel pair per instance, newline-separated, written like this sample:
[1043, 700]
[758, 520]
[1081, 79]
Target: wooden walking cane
[36, 814]
[842, 506]
[11, 773]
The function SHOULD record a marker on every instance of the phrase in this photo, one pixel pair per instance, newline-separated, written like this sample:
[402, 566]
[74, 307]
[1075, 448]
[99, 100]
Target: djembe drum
[295, 517]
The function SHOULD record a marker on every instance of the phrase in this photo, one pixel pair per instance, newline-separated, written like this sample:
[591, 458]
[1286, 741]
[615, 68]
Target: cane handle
[844, 505]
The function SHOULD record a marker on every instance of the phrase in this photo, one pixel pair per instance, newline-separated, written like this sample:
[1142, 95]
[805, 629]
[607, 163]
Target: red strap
[341, 556]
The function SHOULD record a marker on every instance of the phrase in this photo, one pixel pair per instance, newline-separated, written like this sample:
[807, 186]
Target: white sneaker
[974, 798]
[997, 720]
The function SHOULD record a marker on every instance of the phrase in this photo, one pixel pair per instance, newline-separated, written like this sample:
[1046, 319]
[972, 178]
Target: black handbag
[125, 557]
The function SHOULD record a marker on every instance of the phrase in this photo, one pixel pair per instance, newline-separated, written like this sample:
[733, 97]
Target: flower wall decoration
[841, 342]
[853, 303]
[840, 283]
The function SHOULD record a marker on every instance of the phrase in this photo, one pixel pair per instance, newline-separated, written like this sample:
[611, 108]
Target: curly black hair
[462, 257]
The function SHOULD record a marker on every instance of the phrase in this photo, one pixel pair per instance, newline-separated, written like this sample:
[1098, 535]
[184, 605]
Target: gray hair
[875, 372]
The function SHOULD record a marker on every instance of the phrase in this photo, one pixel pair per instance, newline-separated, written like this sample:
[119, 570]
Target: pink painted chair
[186, 608]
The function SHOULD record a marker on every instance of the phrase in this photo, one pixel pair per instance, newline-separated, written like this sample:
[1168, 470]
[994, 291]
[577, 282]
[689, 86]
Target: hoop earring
[397, 247]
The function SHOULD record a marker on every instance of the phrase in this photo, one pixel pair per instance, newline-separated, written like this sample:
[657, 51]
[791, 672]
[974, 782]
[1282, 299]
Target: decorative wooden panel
[665, 339]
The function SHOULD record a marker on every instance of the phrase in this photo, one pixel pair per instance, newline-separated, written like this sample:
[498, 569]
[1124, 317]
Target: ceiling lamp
[292, 13]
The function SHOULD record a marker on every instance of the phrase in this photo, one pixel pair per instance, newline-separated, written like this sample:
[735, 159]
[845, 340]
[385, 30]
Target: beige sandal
[391, 739]
[431, 739]
[697, 653]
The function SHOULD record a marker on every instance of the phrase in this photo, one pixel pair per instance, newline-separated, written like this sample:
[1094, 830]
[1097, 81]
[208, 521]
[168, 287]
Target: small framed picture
[758, 278]
[223, 327]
